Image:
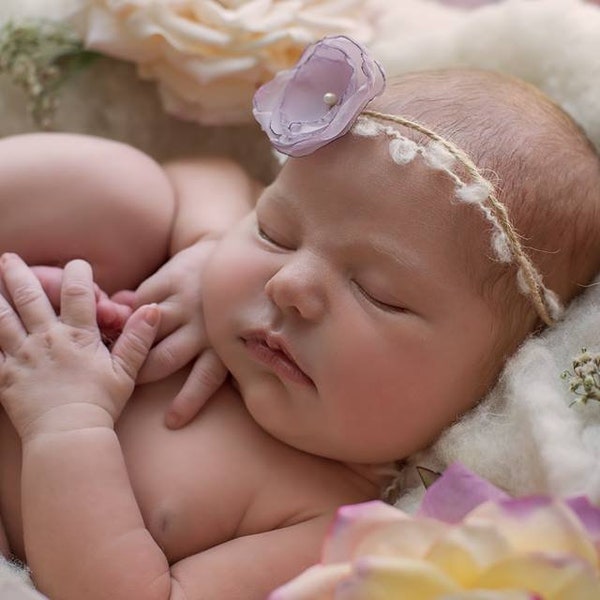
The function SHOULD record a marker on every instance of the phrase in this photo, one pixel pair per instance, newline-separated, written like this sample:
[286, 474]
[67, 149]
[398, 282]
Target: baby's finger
[111, 315]
[132, 346]
[12, 332]
[206, 377]
[77, 295]
[171, 354]
[126, 297]
[51, 280]
[154, 289]
[170, 316]
[26, 293]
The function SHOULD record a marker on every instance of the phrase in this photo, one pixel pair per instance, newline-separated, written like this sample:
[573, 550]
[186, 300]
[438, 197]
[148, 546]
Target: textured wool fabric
[550, 43]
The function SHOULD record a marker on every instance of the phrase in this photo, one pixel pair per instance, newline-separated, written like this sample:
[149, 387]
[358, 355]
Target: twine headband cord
[442, 154]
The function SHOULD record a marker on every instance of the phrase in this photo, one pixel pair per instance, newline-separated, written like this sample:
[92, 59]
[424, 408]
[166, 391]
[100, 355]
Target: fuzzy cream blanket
[523, 436]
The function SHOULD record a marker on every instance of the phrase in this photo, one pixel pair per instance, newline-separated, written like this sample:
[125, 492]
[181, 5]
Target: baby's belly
[168, 469]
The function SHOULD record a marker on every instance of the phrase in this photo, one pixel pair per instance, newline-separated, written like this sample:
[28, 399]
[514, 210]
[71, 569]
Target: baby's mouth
[272, 352]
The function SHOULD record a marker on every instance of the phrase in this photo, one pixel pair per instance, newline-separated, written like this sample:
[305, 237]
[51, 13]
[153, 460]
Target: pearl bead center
[330, 99]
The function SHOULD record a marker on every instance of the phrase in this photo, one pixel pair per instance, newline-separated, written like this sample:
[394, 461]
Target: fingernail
[152, 314]
[172, 420]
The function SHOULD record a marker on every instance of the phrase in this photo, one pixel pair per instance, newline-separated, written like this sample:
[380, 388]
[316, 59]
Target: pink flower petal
[456, 493]
[589, 515]
[377, 529]
[317, 583]
[352, 523]
[538, 524]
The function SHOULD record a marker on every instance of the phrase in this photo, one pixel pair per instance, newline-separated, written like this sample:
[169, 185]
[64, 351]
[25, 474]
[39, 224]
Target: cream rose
[210, 56]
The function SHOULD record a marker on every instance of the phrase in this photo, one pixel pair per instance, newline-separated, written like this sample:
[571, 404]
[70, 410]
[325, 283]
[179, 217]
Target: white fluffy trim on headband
[553, 44]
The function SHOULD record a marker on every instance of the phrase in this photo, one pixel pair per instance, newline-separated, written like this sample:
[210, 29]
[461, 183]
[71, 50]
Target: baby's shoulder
[285, 485]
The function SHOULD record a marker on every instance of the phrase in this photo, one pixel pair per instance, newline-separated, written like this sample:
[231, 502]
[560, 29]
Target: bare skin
[255, 480]
[194, 500]
[204, 501]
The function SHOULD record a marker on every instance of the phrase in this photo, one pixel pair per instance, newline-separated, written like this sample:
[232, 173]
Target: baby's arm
[66, 196]
[211, 195]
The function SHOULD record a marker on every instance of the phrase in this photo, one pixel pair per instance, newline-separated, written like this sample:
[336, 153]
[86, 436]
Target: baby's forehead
[500, 124]
[355, 179]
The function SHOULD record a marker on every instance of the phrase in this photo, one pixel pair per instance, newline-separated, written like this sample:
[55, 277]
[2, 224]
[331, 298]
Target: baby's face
[343, 308]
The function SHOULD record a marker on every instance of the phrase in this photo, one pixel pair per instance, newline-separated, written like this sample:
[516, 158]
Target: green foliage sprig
[39, 56]
[584, 379]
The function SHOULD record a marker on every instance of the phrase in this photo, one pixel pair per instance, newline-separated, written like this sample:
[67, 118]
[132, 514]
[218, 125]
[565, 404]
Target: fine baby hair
[326, 95]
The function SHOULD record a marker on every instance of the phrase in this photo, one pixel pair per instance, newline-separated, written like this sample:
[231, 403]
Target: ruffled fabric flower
[493, 548]
[316, 102]
[210, 56]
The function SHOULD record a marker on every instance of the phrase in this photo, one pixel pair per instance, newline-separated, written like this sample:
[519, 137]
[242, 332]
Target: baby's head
[545, 171]
[361, 307]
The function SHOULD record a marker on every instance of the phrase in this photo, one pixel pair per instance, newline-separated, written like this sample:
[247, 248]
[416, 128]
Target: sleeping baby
[360, 304]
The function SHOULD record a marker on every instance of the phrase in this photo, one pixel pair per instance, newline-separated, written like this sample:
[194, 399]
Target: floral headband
[325, 95]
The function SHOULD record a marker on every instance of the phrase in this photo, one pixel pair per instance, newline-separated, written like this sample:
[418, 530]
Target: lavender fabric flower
[316, 102]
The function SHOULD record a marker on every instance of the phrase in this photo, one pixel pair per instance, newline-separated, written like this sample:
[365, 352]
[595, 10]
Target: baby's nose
[298, 287]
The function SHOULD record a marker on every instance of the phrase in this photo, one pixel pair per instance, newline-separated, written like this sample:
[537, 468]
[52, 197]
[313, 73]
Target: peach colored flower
[502, 549]
[210, 56]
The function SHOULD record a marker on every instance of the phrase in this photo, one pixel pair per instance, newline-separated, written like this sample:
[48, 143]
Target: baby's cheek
[220, 273]
[237, 267]
[223, 283]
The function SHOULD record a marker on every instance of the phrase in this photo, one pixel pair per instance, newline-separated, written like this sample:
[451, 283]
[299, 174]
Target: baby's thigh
[68, 196]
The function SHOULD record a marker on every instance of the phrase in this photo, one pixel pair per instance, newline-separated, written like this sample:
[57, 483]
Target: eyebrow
[405, 259]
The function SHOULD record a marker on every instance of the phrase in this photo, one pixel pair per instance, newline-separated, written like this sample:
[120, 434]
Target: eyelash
[384, 306]
[390, 308]
[267, 238]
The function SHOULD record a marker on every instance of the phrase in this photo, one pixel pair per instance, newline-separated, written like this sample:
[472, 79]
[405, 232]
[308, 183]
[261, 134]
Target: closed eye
[267, 238]
[384, 306]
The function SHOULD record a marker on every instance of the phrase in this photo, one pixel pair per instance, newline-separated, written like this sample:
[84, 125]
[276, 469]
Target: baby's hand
[111, 315]
[177, 289]
[55, 372]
